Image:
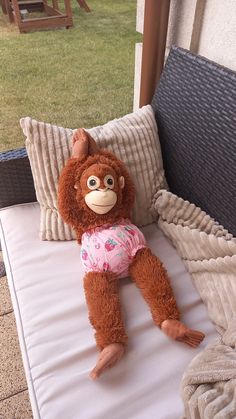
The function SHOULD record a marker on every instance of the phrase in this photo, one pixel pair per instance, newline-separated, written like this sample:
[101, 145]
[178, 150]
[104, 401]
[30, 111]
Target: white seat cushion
[56, 339]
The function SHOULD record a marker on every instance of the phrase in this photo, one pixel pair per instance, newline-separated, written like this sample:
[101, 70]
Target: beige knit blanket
[209, 253]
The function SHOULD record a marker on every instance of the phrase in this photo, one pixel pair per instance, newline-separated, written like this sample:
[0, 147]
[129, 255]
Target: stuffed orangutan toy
[95, 197]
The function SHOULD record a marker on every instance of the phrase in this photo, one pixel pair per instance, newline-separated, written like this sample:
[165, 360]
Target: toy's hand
[79, 135]
[83, 144]
[80, 145]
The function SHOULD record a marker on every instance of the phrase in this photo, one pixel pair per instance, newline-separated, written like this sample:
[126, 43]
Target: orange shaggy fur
[101, 292]
[151, 278]
[71, 204]
[101, 289]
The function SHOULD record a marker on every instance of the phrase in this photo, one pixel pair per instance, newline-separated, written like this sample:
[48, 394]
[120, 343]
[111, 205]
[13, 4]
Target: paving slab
[12, 377]
[16, 407]
[2, 266]
[5, 299]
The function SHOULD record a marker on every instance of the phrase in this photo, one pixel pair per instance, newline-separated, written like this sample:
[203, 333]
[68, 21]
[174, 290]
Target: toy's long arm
[67, 204]
[83, 145]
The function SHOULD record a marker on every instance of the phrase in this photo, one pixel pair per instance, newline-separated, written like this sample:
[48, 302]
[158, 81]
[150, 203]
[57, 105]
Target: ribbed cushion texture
[133, 138]
[209, 253]
[195, 108]
[16, 182]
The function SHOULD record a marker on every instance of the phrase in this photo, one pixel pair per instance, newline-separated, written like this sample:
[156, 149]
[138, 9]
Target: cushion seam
[30, 383]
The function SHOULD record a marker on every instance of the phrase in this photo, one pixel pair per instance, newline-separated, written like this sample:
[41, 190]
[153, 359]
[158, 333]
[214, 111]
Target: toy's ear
[122, 182]
[83, 144]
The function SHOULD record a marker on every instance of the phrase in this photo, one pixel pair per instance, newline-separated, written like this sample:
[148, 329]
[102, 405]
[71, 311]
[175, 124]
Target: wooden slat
[29, 22]
[83, 4]
[28, 3]
[51, 11]
[55, 4]
[45, 23]
[32, 6]
[3, 5]
[197, 25]
[16, 10]
[68, 9]
[9, 12]
[156, 16]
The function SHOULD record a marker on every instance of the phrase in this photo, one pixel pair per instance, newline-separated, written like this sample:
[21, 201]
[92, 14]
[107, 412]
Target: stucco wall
[207, 27]
[180, 26]
[218, 34]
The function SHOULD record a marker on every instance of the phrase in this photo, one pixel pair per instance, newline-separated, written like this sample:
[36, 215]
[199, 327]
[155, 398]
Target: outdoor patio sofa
[195, 108]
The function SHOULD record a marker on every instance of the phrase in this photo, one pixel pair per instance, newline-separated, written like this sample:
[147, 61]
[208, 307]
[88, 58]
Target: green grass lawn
[77, 77]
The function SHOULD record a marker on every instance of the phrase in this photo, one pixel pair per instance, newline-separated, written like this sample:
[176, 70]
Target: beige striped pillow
[133, 138]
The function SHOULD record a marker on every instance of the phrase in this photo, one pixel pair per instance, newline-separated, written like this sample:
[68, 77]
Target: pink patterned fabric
[111, 248]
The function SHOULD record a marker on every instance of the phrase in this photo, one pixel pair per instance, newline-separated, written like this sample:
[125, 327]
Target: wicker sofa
[195, 107]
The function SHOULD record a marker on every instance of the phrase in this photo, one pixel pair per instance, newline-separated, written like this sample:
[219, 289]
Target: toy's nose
[102, 190]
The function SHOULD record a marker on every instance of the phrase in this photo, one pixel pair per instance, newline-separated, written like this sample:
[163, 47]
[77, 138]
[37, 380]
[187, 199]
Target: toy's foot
[180, 332]
[83, 144]
[109, 356]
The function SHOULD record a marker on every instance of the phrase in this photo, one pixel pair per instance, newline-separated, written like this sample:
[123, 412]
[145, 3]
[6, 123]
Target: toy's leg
[101, 291]
[151, 277]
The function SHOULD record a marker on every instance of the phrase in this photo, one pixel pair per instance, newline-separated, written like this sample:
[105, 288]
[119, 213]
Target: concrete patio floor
[14, 399]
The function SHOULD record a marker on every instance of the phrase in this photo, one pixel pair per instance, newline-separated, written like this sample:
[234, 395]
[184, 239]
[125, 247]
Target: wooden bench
[52, 16]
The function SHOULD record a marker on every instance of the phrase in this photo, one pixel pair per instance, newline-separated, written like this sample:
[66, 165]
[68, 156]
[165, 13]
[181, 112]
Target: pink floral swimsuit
[111, 248]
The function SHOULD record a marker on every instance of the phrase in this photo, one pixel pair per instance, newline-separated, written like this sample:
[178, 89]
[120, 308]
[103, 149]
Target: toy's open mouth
[101, 202]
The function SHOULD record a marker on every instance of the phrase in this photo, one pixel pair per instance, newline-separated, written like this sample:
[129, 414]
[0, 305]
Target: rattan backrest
[195, 109]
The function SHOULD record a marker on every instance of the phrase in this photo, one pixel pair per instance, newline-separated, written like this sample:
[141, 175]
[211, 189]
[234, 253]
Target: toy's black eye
[93, 182]
[109, 181]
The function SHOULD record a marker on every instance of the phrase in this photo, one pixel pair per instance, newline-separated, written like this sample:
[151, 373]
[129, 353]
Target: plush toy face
[100, 187]
[95, 191]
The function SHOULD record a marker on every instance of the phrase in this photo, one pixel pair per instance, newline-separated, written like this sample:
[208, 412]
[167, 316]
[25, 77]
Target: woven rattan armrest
[16, 181]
